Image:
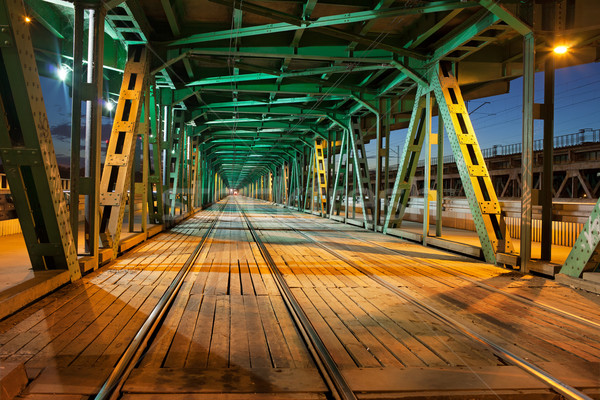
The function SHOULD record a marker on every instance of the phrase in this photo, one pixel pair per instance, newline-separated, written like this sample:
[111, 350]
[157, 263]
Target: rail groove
[558, 386]
[135, 350]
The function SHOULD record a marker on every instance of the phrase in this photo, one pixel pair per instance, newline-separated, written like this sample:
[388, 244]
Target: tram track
[139, 344]
[509, 357]
[522, 299]
[339, 388]
[333, 377]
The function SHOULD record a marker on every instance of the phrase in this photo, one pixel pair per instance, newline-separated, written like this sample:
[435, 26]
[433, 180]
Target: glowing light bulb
[27, 19]
[109, 105]
[63, 72]
[562, 49]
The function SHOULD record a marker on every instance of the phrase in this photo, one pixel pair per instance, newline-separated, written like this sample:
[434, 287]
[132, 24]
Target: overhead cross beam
[293, 23]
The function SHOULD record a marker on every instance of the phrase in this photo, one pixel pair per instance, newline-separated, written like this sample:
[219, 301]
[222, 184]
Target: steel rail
[491, 288]
[133, 352]
[560, 387]
[336, 382]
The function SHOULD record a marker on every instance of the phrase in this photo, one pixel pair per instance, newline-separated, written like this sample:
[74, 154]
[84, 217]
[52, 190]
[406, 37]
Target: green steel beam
[289, 88]
[312, 53]
[275, 74]
[329, 20]
[506, 16]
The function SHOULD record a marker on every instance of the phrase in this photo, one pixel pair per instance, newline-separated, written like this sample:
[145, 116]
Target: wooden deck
[228, 335]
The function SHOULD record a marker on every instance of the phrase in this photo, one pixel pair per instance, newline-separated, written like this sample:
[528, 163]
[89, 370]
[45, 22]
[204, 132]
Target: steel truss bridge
[275, 100]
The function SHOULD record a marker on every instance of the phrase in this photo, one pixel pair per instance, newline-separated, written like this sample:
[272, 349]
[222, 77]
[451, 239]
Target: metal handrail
[587, 135]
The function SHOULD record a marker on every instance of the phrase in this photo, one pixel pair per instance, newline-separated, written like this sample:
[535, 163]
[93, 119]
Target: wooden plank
[46, 347]
[332, 297]
[225, 396]
[337, 350]
[218, 356]
[280, 353]
[40, 331]
[182, 339]
[239, 338]
[157, 352]
[199, 348]
[90, 335]
[298, 350]
[232, 380]
[258, 346]
[357, 350]
[103, 339]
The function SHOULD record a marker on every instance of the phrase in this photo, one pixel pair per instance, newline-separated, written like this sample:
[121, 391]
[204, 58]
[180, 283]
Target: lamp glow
[27, 19]
[109, 105]
[562, 49]
[63, 72]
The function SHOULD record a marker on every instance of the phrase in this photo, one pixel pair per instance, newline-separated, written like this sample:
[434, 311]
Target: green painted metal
[585, 254]
[501, 12]
[408, 163]
[155, 178]
[27, 151]
[340, 176]
[321, 22]
[175, 166]
[361, 171]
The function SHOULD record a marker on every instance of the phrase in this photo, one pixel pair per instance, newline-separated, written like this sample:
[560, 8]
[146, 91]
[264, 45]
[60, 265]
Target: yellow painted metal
[119, 154]
[286, 174]
[321, 174]
[484, 205]
[270, 186]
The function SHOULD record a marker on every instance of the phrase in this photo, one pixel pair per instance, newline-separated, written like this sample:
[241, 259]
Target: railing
[457, 214]
[64, 183]
[563, 233]
[587, 135]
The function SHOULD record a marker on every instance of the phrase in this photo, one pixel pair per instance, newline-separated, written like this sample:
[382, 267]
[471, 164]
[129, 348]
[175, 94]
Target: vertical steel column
[383, 153]
[339, 178]
[547, 192]
[429, 138]
[347, 177]
[527, 160]
[440, 177]
[155, 178]
[408, 162]
[76, 84]
[93, 128]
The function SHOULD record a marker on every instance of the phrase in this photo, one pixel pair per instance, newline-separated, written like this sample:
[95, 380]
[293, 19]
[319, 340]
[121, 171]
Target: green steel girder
[270, 103]
[275, 74]
[27, 150]
[295, 111]
[338, 54]
[261, 122]
[329, 20]
[585, 254]
[288, 88]
[287, 127]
